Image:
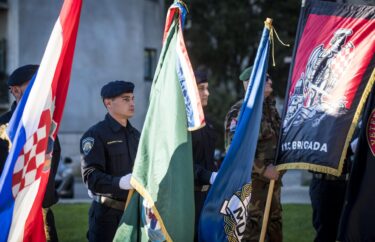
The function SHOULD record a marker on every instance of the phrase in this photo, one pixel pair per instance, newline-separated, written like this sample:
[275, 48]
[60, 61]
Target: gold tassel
[268, 24]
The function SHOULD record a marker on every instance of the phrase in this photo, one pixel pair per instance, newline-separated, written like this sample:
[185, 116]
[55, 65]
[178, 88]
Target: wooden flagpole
[267, 211]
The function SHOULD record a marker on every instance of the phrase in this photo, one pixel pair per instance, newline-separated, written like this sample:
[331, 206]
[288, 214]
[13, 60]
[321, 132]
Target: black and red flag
[358, 217]
[331, 76]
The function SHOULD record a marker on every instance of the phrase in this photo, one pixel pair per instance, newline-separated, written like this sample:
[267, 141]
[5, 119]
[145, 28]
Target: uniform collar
[116, 126]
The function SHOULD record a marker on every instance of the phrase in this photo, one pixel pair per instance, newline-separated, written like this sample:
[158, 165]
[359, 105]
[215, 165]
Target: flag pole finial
[268, 25]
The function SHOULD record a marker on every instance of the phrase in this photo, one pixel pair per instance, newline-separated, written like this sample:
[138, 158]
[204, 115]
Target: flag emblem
[315, 95]
[235, 213]
[152, 224]
[87, 145]
[330, 78]
[30, 162]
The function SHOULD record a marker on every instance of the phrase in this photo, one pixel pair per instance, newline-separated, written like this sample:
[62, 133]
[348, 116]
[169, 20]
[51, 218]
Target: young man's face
[18, 91]
[203, 93]
[121, 106]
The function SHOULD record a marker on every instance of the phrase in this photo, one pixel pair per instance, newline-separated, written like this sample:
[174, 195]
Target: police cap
[116, 88]
[22, 75]
[245, 75]
[201, 77]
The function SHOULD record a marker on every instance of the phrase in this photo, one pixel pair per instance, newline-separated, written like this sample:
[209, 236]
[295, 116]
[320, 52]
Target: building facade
[117, 40]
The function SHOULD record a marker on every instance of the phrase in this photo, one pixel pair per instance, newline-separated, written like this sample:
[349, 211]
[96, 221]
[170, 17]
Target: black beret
[245, 75]
[22, 75]
[201, 77]
[116, 88]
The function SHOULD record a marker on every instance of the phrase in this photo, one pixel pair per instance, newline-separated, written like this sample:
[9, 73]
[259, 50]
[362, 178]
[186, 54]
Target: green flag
[163, 168]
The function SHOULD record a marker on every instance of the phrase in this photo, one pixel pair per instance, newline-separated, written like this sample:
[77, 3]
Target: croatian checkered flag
[32, 131]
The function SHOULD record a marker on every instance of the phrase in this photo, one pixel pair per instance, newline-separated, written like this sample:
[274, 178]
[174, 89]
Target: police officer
[203, 141]
[18, 82]
[109, 149]
[263, 169]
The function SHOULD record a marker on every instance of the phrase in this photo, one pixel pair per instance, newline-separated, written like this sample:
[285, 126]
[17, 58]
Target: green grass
[72, 222]
[297, 223]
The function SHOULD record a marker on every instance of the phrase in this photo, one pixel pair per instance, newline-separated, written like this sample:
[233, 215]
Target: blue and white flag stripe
[23, 124]
[225, 212]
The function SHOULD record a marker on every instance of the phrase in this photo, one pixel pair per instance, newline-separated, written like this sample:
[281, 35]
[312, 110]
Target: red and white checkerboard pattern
[341, 62]
[30, 162]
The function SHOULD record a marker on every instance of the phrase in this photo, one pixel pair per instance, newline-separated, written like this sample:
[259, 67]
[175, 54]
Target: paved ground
[291, 192]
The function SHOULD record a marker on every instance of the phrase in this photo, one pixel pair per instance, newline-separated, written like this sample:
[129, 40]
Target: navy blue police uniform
[203, 142]
[108, 151]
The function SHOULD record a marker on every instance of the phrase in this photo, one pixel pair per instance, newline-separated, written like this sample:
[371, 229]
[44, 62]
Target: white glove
[91, 195]
[213, 177]
[125, 182]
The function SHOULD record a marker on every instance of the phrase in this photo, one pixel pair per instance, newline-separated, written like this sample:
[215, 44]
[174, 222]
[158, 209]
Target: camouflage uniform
[265, 154]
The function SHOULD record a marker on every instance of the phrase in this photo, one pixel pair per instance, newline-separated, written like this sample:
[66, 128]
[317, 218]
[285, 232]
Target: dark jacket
[203, 141]
[108, 151]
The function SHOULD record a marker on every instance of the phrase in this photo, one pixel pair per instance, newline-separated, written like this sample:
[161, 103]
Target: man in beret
[18, 82]
[263, 169]
[203, 141]
[108, 149]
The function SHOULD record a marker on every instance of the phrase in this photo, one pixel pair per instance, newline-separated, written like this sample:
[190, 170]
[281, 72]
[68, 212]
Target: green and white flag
[162, 208]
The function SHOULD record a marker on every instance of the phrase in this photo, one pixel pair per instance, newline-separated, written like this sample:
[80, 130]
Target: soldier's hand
[125, 182]
[271, 172]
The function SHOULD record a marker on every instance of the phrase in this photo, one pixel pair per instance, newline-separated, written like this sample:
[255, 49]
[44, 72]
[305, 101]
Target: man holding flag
[32, 133]
[226, 210]
[263, 170]
[18, 82]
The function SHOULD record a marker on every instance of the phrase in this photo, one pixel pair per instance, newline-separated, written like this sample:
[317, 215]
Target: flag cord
[183, 4]
[272, 32]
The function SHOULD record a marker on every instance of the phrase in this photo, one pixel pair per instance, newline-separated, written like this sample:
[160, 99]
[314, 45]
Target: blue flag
[225, 211]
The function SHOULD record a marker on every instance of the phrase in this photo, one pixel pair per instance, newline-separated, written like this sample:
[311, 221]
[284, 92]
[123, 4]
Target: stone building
[117, 39]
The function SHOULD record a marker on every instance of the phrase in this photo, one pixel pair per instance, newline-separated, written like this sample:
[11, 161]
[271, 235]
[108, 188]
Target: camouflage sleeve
[268, 134]
[230, 125]
[266, 130]
[259, 165]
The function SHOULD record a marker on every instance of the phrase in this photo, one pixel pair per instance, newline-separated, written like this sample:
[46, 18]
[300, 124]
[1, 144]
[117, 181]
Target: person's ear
[107, 102]
[16, 92]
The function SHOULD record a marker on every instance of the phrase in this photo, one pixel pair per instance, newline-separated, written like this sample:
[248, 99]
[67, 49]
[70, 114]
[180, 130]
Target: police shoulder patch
[233, 125]
[87, 144]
